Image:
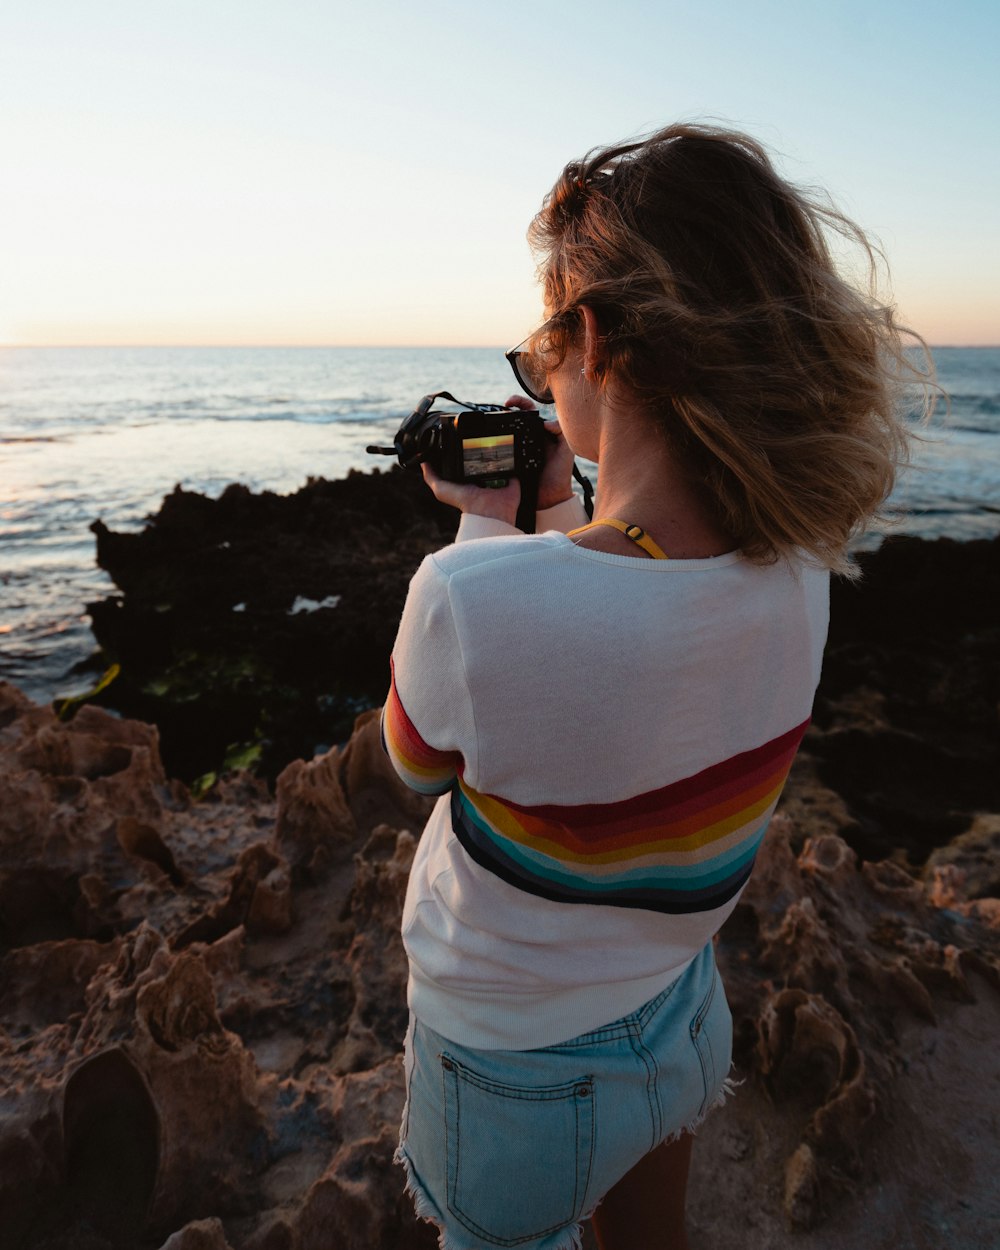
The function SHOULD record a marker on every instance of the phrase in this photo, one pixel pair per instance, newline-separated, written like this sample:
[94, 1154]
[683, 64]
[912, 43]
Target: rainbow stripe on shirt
[423, 767]
[687, 847]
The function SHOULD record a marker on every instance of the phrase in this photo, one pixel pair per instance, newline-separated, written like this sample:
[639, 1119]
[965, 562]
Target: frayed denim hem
[727, 1090]
[568, 1238]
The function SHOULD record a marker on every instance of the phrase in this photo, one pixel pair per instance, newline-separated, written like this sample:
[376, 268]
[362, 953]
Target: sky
[255, 172]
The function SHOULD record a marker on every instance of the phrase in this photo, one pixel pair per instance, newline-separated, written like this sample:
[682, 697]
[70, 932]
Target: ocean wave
[322, 416]
[987, 404]
[966, 427]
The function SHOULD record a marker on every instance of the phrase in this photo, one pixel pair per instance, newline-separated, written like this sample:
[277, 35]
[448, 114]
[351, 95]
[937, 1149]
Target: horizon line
[328, 346]
[281, 346]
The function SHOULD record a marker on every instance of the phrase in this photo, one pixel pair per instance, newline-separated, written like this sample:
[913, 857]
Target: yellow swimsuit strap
[633, 532]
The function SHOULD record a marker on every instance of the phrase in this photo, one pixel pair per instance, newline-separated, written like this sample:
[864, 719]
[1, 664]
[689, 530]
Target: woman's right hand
[500, 504]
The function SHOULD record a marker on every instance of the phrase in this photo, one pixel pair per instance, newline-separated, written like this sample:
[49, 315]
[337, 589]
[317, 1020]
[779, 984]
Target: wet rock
[212, 676]
[906, 718]
[905, 721]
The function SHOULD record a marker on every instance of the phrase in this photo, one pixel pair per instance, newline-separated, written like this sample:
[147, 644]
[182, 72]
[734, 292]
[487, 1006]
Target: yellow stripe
[506, 823]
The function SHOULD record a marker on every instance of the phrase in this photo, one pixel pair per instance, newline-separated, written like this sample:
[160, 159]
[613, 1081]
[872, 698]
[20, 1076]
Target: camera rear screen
[484, 456]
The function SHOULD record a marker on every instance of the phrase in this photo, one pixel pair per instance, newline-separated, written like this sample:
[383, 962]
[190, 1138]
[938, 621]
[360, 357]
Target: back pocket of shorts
[518, 1158]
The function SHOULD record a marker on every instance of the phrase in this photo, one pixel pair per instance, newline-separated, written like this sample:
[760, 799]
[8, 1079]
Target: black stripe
[668, 902]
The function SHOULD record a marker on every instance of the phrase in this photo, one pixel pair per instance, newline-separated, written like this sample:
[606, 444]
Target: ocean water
[107, 432]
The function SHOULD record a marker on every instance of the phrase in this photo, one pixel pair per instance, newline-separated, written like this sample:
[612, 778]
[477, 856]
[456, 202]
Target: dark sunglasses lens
[531, 378]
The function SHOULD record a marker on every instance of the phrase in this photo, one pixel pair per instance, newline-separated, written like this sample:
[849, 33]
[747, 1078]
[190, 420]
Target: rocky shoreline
[202, 992]
[258, 625]
[253, 628]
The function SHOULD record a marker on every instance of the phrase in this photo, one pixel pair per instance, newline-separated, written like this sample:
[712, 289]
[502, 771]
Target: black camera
[487, 444]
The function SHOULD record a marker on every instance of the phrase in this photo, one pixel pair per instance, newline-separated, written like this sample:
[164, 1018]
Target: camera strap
[427, 403]
[588, 490]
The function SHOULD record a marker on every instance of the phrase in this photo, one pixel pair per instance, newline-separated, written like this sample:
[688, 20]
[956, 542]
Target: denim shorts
[515, 1148]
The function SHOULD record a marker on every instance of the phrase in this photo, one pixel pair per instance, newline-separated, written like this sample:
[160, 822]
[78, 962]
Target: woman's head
[724, 319]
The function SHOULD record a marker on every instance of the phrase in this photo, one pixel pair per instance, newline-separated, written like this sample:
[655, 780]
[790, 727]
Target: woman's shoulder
[462, 557]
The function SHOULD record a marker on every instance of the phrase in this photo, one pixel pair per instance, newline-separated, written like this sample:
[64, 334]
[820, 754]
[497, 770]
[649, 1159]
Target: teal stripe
[684, 877]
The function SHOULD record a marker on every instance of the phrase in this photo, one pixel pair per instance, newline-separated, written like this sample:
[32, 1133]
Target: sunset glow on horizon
[292, 175]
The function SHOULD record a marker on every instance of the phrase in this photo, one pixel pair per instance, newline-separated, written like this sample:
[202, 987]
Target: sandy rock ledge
[202, 1006]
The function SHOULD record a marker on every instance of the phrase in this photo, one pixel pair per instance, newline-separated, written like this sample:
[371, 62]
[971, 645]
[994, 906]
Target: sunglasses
[528, 371]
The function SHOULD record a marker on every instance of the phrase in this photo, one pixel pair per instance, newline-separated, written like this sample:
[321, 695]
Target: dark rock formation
[907, 710]
[212, 652]
[905, 722]
[262, 620]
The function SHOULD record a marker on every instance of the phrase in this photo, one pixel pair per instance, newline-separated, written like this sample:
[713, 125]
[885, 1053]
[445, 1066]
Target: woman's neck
[641, 482]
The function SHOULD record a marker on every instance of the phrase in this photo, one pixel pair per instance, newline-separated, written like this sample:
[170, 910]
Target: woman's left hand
[555, 484]
[500, 503]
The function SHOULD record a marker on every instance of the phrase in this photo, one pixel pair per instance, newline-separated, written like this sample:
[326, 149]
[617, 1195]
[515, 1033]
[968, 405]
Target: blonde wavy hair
[782, 386]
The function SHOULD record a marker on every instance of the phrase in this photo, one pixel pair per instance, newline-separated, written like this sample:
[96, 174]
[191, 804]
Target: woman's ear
[594, 353]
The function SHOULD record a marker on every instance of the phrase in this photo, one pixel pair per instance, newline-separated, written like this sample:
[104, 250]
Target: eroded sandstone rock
[315, 823]
[202, 1003]
[229, 1039]
[825, 960]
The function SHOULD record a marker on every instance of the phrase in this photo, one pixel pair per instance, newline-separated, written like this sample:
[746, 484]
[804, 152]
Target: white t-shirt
[609, 736]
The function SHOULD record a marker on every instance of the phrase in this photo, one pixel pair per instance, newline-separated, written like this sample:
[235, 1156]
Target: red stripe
[669, 822]
[728, 778]
[408, 741]
[658, 832]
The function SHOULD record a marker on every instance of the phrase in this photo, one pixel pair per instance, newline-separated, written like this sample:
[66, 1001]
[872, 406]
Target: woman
[609, 711]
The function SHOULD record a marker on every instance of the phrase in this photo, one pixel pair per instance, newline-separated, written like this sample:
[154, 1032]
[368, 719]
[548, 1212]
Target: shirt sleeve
[472, 526]
[565, 516]
[428, 730]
